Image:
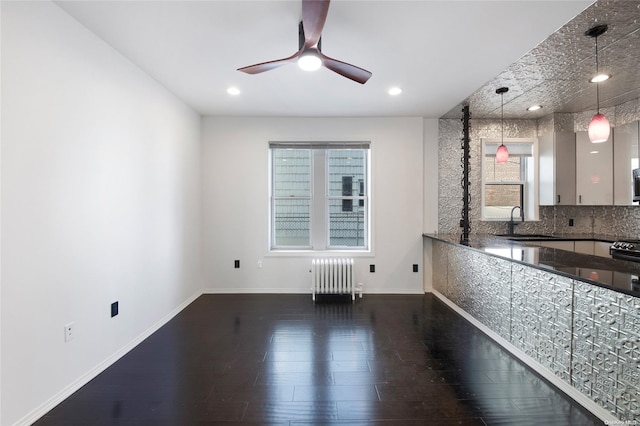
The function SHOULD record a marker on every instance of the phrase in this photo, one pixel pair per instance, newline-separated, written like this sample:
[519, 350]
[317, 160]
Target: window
[510, 184]
[319, 196]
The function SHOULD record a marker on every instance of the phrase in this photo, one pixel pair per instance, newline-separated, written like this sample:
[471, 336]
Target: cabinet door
[601, 248]
[557, 153]
[596, 275]
[594, 171]
[562, 245]
[584, 247]
[625, 159]
[565, 164]
[547, 176]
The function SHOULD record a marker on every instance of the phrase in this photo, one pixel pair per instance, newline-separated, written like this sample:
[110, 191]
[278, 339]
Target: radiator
[332, 276]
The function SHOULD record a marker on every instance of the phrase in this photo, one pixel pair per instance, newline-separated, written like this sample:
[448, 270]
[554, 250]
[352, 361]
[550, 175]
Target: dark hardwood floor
[281, 360]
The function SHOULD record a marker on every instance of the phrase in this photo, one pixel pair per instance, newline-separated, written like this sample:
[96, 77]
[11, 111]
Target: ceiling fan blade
[266, 66]
[314, 15]
[344, 69]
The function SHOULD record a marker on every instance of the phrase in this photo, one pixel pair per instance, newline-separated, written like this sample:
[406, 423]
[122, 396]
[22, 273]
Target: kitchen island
[574, 318]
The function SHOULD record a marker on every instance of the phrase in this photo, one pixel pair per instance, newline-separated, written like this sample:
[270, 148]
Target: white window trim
[367, 251]
[532, 211]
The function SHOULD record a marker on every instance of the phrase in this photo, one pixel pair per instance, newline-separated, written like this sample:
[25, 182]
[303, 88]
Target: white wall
[100, 202]
[430, 175]
[236, 203]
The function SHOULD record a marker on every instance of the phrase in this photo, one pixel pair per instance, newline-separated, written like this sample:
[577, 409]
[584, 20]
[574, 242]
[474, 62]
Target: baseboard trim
[45, 407]
[569, 390]
[212, 290]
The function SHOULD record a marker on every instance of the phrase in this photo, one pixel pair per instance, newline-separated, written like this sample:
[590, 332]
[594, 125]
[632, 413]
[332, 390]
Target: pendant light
[599, 127]
[502, 153]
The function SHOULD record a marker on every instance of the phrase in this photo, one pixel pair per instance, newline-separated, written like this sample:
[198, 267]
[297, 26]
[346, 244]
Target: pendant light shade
[599, 126]
[599, 129]
[502, 153]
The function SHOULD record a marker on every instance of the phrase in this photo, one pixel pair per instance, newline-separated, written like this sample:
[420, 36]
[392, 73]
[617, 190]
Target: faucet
[511, 222]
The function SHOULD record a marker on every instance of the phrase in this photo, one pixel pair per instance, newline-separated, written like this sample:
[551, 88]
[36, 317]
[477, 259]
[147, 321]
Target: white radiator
[332, 276]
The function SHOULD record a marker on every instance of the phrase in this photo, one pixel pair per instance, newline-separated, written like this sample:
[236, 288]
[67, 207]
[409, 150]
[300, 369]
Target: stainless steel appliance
[626, 250]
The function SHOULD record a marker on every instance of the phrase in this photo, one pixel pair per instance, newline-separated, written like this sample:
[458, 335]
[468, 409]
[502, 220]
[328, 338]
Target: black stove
[626, 250]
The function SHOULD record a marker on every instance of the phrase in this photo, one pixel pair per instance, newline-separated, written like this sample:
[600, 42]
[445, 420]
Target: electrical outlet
[259, 263]
[69, 331]
[372, 268]
[114, 309]
[570, 222]
[236, 264]
[415, 267]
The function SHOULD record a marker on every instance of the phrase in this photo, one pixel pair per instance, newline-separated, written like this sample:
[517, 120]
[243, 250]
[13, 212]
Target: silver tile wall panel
[541, 322]
[449, 176]
[582, 219]
[627, 112]
[624, 220]
[606, 349]
[563, 122]
[439, 262]
[492, 301]
[586, 335]
[460, 277]
[546, 124]
[557, 122]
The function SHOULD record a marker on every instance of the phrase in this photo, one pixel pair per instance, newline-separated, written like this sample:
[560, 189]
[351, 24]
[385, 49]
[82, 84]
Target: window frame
[319, 226]
[365, 197]
[273, 198]
[529, 182]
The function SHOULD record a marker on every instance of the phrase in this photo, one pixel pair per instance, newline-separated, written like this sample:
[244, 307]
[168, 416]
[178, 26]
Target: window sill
[319, 253]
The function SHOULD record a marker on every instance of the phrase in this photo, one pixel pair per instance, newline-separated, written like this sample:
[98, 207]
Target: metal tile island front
[584, 333]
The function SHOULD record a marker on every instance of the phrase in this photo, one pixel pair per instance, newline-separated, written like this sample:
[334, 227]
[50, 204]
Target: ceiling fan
[314, 15]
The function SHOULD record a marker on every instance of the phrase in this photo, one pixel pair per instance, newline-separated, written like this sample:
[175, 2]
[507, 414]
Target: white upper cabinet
[594, 171]
[557, 152]
[625, 159]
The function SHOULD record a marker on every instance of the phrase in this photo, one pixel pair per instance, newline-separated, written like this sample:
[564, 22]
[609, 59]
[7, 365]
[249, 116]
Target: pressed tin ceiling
[556, 73]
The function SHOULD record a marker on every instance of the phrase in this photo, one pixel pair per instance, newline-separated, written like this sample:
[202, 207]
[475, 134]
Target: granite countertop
[619, 275]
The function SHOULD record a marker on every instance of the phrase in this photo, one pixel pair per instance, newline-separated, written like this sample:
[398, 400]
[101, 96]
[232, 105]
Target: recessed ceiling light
[600, 77]
[395, 91]
[234, 91]
[534, 107]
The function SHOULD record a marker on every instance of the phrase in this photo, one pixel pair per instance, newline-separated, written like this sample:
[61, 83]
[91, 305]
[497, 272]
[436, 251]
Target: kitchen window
[510, 184]
[319, 196]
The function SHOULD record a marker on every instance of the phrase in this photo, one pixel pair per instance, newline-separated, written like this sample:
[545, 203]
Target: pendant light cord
[502, 117]
[597, 83]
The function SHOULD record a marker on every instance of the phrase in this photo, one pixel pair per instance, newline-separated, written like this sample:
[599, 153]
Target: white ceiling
[438, 52]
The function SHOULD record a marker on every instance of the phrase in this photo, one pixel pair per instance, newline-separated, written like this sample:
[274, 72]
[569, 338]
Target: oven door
[624, 255]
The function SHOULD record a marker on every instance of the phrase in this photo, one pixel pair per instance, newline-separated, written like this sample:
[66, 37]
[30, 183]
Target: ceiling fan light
[600, 78]
[502, 154]
[599, 128]
[309, 62]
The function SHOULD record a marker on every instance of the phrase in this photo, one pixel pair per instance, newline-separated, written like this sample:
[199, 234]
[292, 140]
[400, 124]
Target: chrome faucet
[511, 222]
